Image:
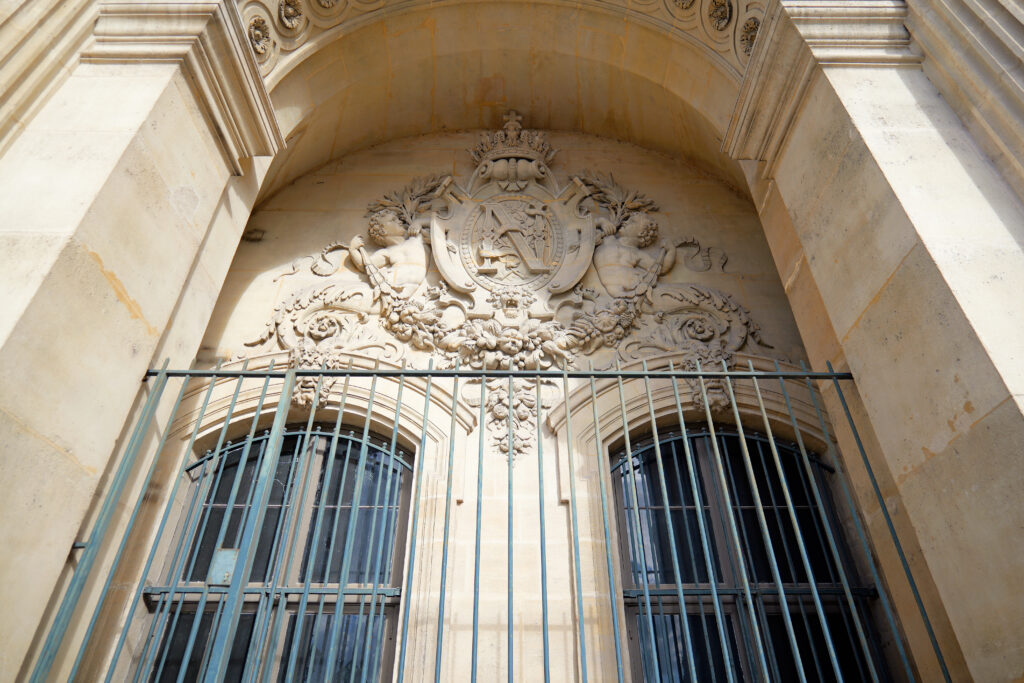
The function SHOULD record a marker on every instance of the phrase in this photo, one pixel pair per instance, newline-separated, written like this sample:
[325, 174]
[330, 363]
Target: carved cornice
[39, 40]
[207, 40]
[798, 36]
[853, 32]
[283, 31]
[974, 53]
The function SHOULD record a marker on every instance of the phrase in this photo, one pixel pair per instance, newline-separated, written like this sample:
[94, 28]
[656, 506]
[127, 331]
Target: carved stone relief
[512, 247]
[298, 23]
[290, 12]
[748, 34]
[720, 14]
[259, 35]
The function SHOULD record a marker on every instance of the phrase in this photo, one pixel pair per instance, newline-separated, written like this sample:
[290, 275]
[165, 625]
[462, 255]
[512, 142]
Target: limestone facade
[842, 176]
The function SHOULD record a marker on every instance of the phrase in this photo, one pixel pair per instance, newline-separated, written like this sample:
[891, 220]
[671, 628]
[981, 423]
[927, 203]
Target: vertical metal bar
[127, 532]
[481, 429]
[765, 535]
[253, 524]
[861, 536]
[161, 599]
[350, 532]
[800, 540]
[759, 597]
[374, 511]
[602, 473]
[543, 537]
[239, 474]
[734, 531]
[407, 593]
[671, 528]
[290, 509]
[179, 557]
[339, 500]
[636, 524]
[240, 468]
[447, 522]
[217, 614]
[892, 530]
[706, 546]
[511, 457]
[574, 512]
[712, 579]
[165, 647]
[192, 635]
[381, 551]
[69, 602]
[301, 612]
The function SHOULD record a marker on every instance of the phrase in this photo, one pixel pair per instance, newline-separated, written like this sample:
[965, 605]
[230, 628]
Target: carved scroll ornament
[512, 251]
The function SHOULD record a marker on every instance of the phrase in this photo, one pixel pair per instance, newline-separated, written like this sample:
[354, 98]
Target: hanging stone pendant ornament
[511, 248]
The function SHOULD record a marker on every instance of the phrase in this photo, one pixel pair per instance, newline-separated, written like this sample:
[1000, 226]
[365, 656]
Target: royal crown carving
[515, 271]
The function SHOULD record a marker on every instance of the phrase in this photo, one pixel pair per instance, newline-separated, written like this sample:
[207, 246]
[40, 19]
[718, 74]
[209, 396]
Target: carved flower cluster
[519, 411]
[489, 345]
[413, 321]
[605, 326]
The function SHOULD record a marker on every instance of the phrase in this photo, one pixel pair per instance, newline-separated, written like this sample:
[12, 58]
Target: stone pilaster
[135, 171]
[898, 242]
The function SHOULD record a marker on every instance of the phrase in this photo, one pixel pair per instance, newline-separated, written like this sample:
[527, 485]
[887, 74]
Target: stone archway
[153, 152]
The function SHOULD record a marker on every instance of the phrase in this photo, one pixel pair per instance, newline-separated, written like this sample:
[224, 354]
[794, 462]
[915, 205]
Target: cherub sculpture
[623, 266]
[401, 262]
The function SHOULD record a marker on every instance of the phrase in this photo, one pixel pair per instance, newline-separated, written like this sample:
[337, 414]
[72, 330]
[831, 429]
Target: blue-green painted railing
[740, 632]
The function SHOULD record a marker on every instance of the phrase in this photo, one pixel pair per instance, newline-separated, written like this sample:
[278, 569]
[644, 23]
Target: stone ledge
[206, 39]
[798, 36]
[974, 53]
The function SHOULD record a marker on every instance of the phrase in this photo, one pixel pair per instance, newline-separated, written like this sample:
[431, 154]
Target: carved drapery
[531, 274]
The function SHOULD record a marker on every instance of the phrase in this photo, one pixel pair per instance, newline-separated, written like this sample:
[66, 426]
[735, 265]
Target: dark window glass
[679, 520]
[188, 642]
[299, 551]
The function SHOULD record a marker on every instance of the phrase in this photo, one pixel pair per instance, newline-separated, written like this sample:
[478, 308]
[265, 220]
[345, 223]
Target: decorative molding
[512, 248]
[974, 54]
[748, 34]
[720, 14]
[794, 38]
[854, 32]
[259, 35]
[711, 24]
[215, 52]
[34, 62]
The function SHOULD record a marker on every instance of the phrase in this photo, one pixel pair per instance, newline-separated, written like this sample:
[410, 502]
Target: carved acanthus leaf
[615, 199]
[412, 200]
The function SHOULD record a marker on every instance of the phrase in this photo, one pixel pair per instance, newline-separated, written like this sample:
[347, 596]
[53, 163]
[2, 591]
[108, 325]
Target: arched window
[336, 507]
[719, 583]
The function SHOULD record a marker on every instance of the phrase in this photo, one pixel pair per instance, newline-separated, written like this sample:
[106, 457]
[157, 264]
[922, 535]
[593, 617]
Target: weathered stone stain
[134, 310]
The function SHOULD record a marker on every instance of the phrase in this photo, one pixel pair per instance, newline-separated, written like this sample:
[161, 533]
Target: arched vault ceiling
[382, 75]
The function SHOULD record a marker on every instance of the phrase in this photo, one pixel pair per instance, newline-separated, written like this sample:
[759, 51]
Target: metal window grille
[294, 585]
[684, 530]
[287, 551]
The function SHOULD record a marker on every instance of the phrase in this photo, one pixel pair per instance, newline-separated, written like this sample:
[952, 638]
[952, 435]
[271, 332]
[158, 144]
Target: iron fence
[297, 524]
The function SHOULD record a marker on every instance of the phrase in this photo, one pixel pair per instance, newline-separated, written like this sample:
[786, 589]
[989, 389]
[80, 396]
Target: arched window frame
[430, 425]
[595, 420]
